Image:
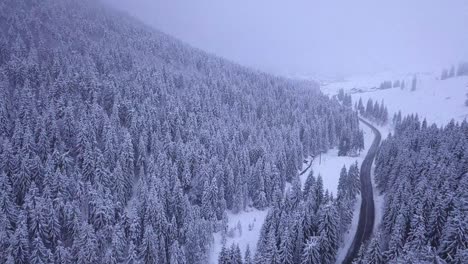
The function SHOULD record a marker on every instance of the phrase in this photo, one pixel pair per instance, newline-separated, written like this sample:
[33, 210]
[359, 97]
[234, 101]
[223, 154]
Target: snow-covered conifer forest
[122, 144]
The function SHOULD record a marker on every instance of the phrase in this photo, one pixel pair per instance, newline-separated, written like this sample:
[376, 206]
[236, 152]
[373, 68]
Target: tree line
[373, 111]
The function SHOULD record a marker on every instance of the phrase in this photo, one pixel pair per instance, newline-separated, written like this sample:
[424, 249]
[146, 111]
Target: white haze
[316, 37]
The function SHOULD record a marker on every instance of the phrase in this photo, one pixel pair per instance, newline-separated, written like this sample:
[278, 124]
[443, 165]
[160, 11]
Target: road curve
[367, 213]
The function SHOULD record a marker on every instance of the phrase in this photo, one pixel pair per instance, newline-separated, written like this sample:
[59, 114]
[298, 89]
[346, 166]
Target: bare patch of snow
[250, 223]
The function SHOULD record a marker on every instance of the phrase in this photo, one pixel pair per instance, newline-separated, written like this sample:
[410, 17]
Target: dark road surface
[367, 213]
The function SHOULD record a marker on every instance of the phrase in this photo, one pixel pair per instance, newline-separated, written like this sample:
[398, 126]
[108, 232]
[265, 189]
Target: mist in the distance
[316, 38]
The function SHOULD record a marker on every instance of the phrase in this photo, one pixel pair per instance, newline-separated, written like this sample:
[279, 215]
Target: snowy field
[437, 100]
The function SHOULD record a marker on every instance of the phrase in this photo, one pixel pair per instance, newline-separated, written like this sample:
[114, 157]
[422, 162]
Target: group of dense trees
[344, 98]
[307, 225]
[399, 83]
[233, 255]
[388, 84]
[350, 143]
[121, 144]
[448, 73]
[422, 170]
[461, 70]
[373, 111]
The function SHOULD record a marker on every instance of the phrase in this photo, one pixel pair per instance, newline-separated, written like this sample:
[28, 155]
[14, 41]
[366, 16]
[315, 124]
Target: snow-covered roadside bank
[348, 237]
[379, 198]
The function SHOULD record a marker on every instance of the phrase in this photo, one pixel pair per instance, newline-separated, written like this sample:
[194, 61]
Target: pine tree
[148, 247]
[210, 194]
[354, 180]
[374, 253]
[359, 259]
[296, 192]
[86, 247]
[328, 230]
[360, 107]
[414, 83]
[455, 235]
[224, 256]
[342, 182]
[247, 256]
[451, 72]
[62, 254]
[444, 74]
[311, 253]
[286, 248]
[309, 184]
[19, 247]
[318, 190]
[395, 245]
[235, 255]
[177, 255]
[271, 252]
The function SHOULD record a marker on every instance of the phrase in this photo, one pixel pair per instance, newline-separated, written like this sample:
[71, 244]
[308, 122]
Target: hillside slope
[120, 143]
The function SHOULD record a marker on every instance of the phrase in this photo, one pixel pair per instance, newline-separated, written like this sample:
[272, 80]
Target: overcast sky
[316, 37]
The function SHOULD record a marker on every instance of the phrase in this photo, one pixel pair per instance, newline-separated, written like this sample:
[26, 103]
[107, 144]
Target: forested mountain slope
[121, 144]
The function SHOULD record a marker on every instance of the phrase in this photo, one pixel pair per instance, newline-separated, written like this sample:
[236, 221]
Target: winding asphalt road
[367, 214]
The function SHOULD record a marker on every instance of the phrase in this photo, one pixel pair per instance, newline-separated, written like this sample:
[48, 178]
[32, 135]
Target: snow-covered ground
[437, 100]
[250, 222]
[329, 164]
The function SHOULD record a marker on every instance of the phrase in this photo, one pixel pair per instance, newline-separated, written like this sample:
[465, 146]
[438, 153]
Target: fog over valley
[317, 38]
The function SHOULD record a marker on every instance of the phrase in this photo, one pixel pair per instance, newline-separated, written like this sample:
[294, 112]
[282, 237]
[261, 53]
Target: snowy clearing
[251, 222]
[329, 164]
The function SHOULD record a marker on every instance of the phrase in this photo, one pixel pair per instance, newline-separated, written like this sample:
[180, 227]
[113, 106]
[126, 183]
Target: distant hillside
[437, 100]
